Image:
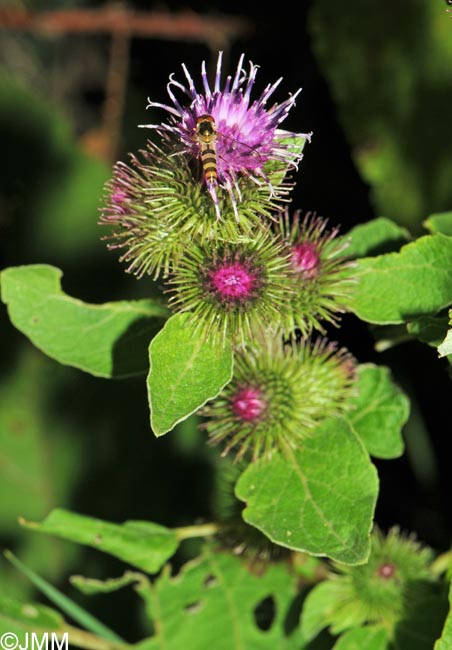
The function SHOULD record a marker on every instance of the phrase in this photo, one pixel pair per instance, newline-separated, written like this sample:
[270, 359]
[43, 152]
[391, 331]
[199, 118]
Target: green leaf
[319, 499]
[217, 602]
[445, 642]
[380, 106]
[38, 466]
[399, 287]
[92, 586]
[320, 601]
[429, 329]
[40, 462]
[185, 372]
[379, 412]
[67, 212]
[64, 603]
[370, 637]
[445, 347]
[108, 340]
[295, 143]
[441, 222]
[52, 185]
[378, 236]
[19, 617]
[143, 544]
[25, 619]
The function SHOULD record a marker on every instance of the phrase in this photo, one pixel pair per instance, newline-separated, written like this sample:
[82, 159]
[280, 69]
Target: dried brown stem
[184, 26]
[115, 91]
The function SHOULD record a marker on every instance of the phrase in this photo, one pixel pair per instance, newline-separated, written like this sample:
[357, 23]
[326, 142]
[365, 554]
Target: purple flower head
[248, 404]
[242, 136]
[305, 259]
[377, 592]
[234, 281]
[386, 571]
[118, 198]
[234, 290]
[323, 272]
[279, 393]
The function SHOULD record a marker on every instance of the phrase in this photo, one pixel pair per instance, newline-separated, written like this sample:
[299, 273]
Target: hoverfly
[222, 157]
[206, 134]
[207, 137]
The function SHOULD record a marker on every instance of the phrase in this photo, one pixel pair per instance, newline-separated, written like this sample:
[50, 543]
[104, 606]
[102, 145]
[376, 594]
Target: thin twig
[183, 26]
[115, 90]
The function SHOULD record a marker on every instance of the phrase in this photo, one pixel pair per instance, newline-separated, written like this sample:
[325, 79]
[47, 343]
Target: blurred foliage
[51, 190]
[388, 65]
[40, 460]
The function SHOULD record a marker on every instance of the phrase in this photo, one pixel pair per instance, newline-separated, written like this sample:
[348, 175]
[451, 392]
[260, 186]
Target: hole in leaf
[191, 608]
[210, 581]
[264, 613]
[292, 617]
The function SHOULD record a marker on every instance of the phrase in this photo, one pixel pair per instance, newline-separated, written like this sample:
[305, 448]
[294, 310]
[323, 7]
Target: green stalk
[70, 608]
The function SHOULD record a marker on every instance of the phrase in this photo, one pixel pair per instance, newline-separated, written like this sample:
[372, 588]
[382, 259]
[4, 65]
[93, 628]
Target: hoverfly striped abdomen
[206, 134]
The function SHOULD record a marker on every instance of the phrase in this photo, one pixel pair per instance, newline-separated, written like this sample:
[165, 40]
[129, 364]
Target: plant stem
[202, 530]
[82, 639]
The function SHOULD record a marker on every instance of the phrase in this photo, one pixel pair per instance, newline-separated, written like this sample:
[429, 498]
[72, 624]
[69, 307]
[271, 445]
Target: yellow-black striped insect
[206, 134]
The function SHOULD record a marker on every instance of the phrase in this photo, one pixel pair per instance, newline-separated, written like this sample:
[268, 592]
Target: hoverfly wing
[229, 147]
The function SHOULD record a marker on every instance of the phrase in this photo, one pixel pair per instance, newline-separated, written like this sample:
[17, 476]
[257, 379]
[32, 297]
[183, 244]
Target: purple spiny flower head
[118, 200]
[378, 592]
[244, 134]
[279, 393]
[234, 281]
[154, 209]
[304, 258]
[248, 403]
[323, 272]
[236, 289]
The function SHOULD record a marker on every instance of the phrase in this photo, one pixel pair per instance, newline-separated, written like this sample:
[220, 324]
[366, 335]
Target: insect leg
[213, 194]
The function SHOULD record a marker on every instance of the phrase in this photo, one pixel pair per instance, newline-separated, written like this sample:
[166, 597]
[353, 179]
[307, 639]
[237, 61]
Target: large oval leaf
[380, 411]
[215, 602]
[185, 372]
[399, 287]
[319, 499]
[143, 544]
[441, 222]
[108, 340]
[375, 237]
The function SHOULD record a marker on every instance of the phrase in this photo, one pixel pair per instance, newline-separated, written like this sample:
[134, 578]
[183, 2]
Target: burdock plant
[232, 259]
[249, 294]
[170, 220]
